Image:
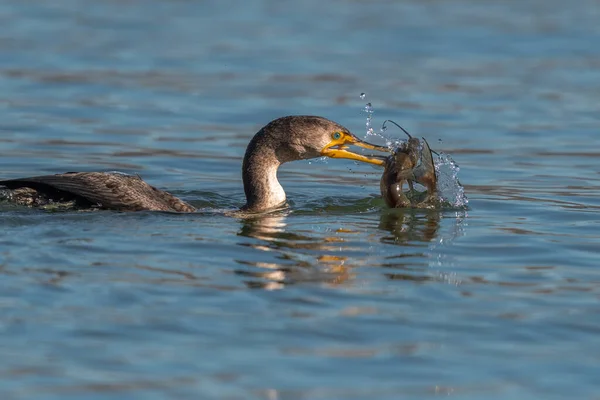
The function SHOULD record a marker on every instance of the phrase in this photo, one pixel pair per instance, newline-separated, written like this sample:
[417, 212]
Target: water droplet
[449, 187]
[369, 110]
[362, 96]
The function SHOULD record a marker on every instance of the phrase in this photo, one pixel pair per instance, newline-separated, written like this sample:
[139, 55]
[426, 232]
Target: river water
[336, 297]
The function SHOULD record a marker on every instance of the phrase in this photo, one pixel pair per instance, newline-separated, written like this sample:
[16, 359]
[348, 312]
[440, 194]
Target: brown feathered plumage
[282, 140]
[105, 190]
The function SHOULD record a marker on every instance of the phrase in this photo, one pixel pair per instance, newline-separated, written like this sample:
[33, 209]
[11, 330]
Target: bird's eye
[336, 135]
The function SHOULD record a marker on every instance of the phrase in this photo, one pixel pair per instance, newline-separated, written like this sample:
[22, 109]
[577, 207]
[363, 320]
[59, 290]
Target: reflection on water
[303, 256]
[323, 263]
[426, 235]
[409, 226]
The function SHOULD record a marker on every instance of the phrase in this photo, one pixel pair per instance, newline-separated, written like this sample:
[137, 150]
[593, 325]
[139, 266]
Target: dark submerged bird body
[89, 190]
[282, 140]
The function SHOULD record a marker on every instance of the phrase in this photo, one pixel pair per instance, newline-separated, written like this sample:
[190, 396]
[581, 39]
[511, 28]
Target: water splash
[370, 132]
[449, 188]
[368, 109]
[390, 142]
[318, 160]
[450, 191]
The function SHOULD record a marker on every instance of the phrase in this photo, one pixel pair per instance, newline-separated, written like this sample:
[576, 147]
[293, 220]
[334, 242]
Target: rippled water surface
[337, 297]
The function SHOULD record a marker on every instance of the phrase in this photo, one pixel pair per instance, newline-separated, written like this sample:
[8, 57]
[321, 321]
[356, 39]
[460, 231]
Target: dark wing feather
[106, 190]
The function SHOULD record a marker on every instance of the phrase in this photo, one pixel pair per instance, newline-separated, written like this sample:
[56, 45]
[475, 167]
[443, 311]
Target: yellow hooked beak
[337, 149]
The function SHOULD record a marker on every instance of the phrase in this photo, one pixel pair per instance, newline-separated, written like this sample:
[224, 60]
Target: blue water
[337, 297]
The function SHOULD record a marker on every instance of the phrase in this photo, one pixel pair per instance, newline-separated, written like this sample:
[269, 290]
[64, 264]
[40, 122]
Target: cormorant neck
[259, 173]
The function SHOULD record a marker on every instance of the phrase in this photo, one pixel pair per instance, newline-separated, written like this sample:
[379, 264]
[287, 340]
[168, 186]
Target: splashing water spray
[368, 109]
[448, 185]
[449, 188]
